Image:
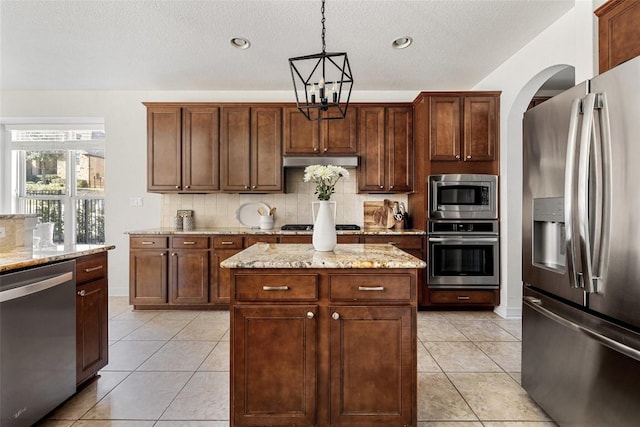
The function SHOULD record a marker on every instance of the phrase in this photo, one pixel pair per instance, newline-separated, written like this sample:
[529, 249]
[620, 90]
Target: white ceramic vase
[324, 225]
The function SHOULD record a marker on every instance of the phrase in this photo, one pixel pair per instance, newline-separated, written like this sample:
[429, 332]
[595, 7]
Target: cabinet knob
[310, 315]
[162, 254]
[458, 156]
[315, 148]
[335, 316]
[188, 186]
[82, 293]
[325, 150]
[177, 187]
[391, 187]
[253, 187]
[174, 254]
[469, 156]
[381, 187]
[246, 187]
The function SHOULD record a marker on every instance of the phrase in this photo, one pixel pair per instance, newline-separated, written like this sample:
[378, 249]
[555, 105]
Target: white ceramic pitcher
[324, 225]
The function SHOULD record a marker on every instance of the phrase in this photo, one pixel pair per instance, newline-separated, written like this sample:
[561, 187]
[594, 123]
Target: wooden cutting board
[378, 214]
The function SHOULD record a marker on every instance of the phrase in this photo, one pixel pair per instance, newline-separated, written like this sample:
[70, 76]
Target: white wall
[570, 41]
[126, 157]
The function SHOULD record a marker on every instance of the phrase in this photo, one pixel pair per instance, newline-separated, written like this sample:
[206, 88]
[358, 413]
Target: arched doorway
[545, 83]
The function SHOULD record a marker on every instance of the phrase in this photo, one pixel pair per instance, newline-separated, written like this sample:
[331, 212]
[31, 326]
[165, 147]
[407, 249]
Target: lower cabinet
[92, 318]
[323, 347]
[464, 297]
[223, 248]
[189, 270]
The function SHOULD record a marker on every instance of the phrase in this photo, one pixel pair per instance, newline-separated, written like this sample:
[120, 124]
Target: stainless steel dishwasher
[37, 342]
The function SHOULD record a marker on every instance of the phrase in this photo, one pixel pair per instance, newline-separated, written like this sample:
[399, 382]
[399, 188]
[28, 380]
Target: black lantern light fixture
[322, 82]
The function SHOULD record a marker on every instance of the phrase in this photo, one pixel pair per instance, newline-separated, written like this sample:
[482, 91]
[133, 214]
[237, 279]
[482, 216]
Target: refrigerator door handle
[570, 194]
[585, 145]
[537, 305]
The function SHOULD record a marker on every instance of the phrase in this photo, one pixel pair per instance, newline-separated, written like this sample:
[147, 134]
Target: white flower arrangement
[325, 178]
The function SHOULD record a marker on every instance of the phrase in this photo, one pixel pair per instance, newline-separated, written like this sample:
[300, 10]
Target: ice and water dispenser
[549, 233]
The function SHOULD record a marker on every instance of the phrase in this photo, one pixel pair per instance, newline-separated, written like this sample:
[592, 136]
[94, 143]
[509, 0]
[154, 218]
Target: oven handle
[463, 239]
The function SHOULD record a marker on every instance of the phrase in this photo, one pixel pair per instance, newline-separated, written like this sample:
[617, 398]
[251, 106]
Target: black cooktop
[309, 227]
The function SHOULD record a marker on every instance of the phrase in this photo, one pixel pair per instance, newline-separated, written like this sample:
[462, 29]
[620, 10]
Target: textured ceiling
[184, 44]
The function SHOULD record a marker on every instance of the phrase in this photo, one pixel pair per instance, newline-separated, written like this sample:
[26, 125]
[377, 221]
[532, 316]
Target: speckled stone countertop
[22, 257]
[278, 255]
[275, 231]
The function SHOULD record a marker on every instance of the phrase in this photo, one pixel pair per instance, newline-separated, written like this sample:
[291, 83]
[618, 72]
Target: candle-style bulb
[334, 92]
[312, 93]
[321, 83]
[321, 90]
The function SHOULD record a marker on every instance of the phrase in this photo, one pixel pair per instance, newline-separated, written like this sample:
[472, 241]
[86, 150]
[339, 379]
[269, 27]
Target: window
[58, 173]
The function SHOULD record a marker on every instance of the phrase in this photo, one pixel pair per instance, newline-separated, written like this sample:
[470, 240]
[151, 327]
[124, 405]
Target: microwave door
[545, 224]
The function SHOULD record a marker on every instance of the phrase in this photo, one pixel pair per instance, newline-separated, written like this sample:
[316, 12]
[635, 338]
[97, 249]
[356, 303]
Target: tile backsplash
[293, 207]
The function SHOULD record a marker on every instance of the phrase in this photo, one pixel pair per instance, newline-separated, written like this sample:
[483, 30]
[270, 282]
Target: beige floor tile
[89, 395]
[119, 329]
[140, 315]
[205, 397]
[203, 330]
[179, 356]
[430, 315]
[113, 423]
[54, 423]
[118, 305]
[128, 355]
[517, 376]
[426, 363]
[218, 359]
[470, 315]
[496, 397]
[174, 423]
[449, 424]
[177, 315]
[519, 424]
[504, 353]
[439, 330]
[158, 329]
[141, 396]
[461, 357]
[218, 315]
[438, 400]
[482, 330]
[514, 327]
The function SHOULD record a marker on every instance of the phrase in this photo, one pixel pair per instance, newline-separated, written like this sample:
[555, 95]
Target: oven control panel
[478, 227]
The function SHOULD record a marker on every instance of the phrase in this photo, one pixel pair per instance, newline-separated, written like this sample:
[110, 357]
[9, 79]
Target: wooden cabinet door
[220, 288]
[164, 146]
[92, 318]
[340, 136]
[148, 271]
[200, 149]
[618, 32]
[372, 370]
[300, 136]
[275, 365]
[400, 148]
[444, 128]
[189, 277]
[371, 126]
[480, 133]
[235, 148]
[266, 149]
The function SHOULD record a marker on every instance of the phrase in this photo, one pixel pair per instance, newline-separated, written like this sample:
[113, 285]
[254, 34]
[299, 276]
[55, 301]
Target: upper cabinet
[182, 149]
[386, 149]
[328, 137]
[463, 128]
[618, 32]
[251, 149]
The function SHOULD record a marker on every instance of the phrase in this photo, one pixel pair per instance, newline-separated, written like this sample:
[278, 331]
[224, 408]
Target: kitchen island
[323, 338]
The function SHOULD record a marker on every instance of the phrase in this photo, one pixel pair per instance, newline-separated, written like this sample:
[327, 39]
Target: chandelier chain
[324, 30]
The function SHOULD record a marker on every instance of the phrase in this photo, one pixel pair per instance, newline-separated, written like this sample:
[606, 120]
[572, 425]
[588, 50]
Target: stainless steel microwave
[463, 196]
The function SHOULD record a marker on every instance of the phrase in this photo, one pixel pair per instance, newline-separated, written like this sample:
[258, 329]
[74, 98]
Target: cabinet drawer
[370, 287]
[295, 238]
[91, 267]
[251, 240]
[227, 242]
[190, 242]
[276, 287]
[480, 297]
[401, 242]
[149, 242]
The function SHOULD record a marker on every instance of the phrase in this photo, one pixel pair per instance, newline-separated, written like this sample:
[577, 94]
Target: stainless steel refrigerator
[581, 252]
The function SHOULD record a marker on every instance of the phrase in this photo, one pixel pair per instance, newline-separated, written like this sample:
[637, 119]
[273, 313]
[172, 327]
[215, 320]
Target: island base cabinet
[372, 377]
[274, 383]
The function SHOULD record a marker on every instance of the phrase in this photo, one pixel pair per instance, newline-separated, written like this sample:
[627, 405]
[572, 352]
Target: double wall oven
[463, 237]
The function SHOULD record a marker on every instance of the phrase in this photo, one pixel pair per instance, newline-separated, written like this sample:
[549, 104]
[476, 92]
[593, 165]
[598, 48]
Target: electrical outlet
[3, 233]
[135, 201]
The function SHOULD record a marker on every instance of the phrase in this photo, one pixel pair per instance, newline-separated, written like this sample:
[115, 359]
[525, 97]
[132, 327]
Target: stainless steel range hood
[304, 161]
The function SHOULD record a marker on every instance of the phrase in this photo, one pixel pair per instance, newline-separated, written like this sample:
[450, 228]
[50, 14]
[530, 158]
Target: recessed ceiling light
[402, 42]
[240, 42]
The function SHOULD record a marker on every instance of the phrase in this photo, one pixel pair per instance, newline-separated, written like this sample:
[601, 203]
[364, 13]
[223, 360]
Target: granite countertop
[275, 231]
[278, 255]
[22, 257]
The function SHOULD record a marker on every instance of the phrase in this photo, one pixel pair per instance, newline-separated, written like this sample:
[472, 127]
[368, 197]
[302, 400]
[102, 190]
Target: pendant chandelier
[322, 82]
